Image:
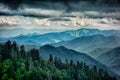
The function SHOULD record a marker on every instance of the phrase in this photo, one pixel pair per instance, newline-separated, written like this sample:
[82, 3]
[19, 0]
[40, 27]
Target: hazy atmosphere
[60, 39]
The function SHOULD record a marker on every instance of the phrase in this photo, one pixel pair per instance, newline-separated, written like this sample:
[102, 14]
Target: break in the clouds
[60, 16]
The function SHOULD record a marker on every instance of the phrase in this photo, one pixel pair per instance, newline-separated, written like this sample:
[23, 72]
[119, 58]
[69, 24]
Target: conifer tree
[22, 51]
[51, 58]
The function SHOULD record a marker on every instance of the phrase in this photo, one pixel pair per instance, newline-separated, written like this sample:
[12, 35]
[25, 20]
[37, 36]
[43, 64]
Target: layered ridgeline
[99, 47]
[17, 64]
[55, 37]
[92, 42]
[111, 58]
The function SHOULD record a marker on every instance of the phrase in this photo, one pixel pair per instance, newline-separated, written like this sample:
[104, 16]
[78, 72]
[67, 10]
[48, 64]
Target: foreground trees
[17, 64]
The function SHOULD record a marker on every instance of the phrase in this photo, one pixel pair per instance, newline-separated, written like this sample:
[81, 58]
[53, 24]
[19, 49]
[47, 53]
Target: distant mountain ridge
[55, 37]
[101, 48]
[7, 33]
[87, 44]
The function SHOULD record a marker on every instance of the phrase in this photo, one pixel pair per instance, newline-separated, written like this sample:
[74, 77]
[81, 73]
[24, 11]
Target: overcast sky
[59, 16]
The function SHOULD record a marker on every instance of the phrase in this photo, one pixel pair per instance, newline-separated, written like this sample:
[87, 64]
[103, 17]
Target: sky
[60, 16]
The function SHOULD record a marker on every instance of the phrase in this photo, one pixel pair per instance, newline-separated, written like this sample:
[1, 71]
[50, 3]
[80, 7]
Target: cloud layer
[59, 16]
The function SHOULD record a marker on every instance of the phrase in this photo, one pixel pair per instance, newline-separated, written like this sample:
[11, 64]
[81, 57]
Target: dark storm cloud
[14, 4]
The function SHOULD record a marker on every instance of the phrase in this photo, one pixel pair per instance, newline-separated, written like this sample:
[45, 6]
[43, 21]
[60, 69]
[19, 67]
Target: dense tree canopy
[17, 64]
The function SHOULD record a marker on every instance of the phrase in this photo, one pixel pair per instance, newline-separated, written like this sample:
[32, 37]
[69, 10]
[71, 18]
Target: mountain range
[55, 37]
[69, 54]
[90, 43]
[92, 46]
[7, 33]
[64, 53]
[99, 47]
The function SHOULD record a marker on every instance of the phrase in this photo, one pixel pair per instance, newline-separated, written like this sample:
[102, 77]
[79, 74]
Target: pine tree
[35, 54]
[51, 58]
[71, 62]
[14, 46]
[6, 50]
[22, 51]
[56, 62]
[95, 69]
[67, 63]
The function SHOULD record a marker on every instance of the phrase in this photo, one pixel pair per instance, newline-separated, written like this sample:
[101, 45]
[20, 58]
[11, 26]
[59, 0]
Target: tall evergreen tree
[14, 46]
[22, 51]
[71, 62]
[51, 58]
[35, 54]
[6, 50]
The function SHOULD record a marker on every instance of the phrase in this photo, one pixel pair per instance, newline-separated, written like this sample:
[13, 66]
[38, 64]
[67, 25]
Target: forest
[18, 64]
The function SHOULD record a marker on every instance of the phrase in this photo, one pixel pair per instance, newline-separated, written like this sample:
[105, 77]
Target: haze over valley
[44, 32]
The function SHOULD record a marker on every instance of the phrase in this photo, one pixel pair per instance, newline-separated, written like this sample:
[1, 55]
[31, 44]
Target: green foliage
[4, 77]
[51, 58]
[22, 65]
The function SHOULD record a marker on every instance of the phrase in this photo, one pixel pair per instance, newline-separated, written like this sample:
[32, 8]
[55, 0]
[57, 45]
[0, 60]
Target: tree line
[18, 64]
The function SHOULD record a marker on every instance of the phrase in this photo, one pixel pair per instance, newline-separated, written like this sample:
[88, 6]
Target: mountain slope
[111, 59]
[98, 51]
[90, 43]
[64, 53]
